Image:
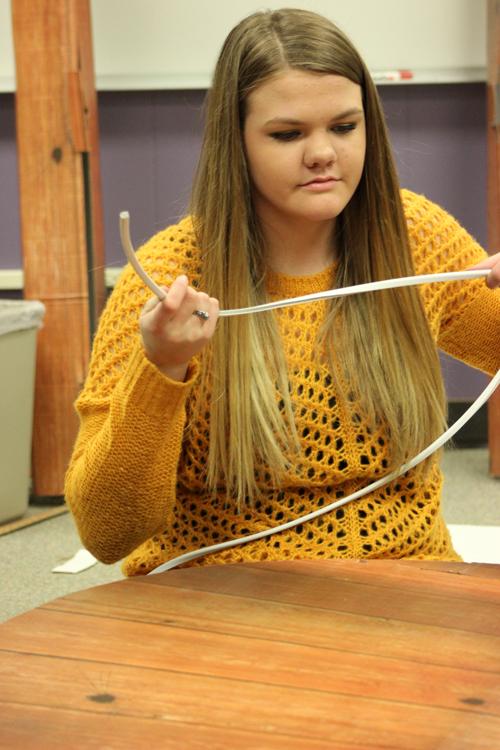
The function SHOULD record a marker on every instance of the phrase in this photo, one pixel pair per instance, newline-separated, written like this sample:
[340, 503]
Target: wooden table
[305, 654]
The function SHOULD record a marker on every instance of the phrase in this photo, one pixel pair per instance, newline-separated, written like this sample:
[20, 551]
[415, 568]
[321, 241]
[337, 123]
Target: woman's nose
[320, 151]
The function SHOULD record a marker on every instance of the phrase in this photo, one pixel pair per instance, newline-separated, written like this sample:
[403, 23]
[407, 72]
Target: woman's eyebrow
[292, 121]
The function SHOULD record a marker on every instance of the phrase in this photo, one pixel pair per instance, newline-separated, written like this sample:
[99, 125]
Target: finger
[170, 305]
[209, 306]
[213, 311]
[214, 307]
[493, 278]
[192, 302]
[486, 263]
[493, 264]
[176, 294]
[202, 310]
[152, 302]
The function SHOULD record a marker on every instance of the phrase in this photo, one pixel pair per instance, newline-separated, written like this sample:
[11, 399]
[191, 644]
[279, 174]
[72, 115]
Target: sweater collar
[280, 284]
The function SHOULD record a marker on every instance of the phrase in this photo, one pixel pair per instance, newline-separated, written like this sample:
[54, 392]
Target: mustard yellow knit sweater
[135, 481]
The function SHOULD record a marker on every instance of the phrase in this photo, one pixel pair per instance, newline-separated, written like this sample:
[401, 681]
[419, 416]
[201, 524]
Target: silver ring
[201, 314]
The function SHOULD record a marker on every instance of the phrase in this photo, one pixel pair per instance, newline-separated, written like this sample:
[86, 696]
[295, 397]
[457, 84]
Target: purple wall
[10, 253]
[150, 143]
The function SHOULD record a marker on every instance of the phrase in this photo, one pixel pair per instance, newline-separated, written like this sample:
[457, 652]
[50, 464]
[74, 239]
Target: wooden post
[494, 197]
[61, 218]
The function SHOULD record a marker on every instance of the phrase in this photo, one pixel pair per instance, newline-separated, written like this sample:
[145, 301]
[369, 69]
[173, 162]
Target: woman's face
[305, 142]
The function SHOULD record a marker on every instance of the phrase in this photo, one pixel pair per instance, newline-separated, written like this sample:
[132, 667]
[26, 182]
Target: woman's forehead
[293, 94]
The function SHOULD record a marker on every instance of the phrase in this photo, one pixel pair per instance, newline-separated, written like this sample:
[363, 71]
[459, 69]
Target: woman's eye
[290, 135]
[285, 135]
[344, 128]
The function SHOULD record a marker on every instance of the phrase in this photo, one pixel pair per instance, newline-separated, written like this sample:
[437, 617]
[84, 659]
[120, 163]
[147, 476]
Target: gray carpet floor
[27, 556]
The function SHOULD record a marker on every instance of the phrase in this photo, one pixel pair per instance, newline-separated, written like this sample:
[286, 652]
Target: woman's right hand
[171, 333]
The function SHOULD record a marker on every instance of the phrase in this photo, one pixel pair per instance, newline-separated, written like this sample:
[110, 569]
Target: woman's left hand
[493, 262]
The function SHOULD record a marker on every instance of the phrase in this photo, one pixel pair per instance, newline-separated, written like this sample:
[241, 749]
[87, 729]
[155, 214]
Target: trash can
[19, 323]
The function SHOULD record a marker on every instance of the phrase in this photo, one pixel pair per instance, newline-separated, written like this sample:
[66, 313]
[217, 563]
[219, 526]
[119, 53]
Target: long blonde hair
[384, 342]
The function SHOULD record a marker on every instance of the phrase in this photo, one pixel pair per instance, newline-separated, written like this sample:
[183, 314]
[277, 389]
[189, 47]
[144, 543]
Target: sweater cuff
[150, 390]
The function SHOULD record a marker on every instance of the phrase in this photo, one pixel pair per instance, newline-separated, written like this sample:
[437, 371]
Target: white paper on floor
[476, 543]
[80, 561]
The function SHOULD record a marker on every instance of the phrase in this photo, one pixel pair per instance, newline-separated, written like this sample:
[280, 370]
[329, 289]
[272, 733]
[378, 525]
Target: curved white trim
[438, 443]
[344, 291]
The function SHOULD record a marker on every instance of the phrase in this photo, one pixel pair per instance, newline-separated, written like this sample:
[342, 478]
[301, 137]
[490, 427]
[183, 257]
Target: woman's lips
[320, 184]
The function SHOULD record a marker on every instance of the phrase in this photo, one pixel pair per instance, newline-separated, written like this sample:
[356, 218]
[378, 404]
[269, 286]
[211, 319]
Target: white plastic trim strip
[438, 443]
[342, 292]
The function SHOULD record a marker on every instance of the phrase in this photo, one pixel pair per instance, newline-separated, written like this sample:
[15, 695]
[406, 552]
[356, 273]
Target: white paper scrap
[80, 561]
[479, 544]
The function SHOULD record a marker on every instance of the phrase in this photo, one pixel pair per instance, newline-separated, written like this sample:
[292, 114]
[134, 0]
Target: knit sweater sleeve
[120, 483]
[464, 316]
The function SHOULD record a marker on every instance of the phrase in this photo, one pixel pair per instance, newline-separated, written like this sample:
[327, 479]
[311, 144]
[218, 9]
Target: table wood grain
[303, 654]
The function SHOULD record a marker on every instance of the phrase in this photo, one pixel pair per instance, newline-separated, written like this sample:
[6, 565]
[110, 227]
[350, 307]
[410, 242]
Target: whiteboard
[147, 44]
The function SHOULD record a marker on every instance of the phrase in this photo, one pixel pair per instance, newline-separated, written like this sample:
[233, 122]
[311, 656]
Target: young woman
[196, 430]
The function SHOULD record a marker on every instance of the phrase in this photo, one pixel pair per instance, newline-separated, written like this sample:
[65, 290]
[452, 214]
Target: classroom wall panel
[150, 44]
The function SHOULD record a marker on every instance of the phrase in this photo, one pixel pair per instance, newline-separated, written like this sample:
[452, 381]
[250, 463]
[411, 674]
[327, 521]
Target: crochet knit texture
[136, 480]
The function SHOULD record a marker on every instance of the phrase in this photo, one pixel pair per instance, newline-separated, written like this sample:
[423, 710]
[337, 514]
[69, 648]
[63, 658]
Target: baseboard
[12, 279]
[46, 500]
